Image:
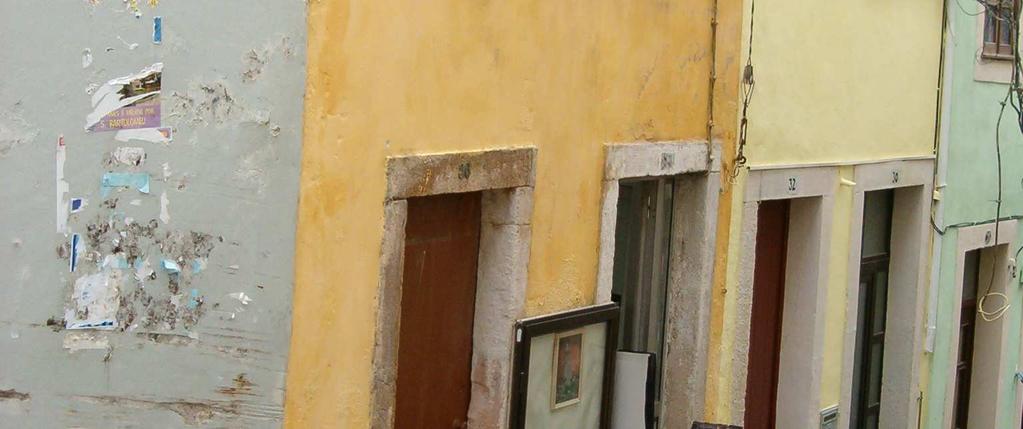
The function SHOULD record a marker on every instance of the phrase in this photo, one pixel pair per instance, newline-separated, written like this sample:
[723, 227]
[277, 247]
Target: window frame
[993, 50]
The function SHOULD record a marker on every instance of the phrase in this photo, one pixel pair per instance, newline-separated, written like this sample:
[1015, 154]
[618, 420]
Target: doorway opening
[967, 331]
[640, 273]
[766, 315]
[781, 359]
[872, 311]
[978, 365]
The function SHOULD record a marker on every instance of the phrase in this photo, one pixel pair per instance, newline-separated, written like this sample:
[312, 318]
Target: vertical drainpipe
[700, 412]
[711, 84]
[941, 168]
[713, 74]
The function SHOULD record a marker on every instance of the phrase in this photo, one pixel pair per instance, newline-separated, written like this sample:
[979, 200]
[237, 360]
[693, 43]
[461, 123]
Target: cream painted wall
[843, 81]
[838, 280]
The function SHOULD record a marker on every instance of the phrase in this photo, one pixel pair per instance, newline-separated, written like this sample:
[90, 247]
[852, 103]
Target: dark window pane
[880, 301]
[874, 390]
[989, 28]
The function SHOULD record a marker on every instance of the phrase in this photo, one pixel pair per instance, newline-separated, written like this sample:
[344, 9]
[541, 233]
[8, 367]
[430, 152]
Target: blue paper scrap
[193, 302]
[139, 181]
[157, 30]
[119, 262]
[198, 265]
[171, 266]
[75, 240]
[76, 205]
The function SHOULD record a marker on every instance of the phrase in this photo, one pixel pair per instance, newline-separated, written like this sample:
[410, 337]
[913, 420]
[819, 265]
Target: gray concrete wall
[205, 347]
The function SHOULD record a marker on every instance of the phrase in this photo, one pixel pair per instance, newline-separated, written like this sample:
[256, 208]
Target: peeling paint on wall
[78, 341]
[152, 135]
[62, 187]
[205, 103]
[256, 60]
[86, 58]
[129, 156]
[164, 211]
[14, 130]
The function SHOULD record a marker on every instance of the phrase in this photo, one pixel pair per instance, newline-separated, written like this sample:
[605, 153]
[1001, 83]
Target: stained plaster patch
[14, 130]
[255, 60]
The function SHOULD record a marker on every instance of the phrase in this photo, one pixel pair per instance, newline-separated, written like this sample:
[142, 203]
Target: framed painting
[563, 369]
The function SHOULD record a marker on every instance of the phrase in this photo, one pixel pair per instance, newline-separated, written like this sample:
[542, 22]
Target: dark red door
[437, 306]
[765, 319]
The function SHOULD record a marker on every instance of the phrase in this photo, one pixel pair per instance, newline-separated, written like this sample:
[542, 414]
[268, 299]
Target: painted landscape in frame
[568, 353]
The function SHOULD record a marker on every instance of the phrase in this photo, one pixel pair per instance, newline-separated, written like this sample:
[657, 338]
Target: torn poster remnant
[143, 269]
[139, 181]
[130, 156]
[170, 266]
[127, 102]
[241, 297]
[76, 246]
[62, 187]
[164, 213]
[94, 302]
[152, 135]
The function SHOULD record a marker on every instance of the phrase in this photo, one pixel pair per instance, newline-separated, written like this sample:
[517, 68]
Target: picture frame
[568, 350]
[596, 328]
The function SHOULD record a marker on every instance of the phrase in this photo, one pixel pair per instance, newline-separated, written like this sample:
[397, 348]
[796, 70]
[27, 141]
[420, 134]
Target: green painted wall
[969, 196]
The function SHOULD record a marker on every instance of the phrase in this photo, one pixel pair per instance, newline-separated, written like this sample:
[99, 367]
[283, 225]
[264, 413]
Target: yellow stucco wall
[393, 78]
[844, 81]
[836, 83]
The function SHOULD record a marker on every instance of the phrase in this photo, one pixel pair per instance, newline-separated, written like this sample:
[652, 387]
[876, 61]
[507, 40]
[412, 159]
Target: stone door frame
[696, 169]
[912, 181]
[506, 179]
[811, 192]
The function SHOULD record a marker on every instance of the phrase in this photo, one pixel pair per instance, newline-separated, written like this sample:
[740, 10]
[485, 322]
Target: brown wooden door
[765, 319]
[437, 306]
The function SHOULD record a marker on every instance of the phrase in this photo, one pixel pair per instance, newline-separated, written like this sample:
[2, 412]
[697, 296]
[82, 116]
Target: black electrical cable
[996, 12]
[748, 83]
